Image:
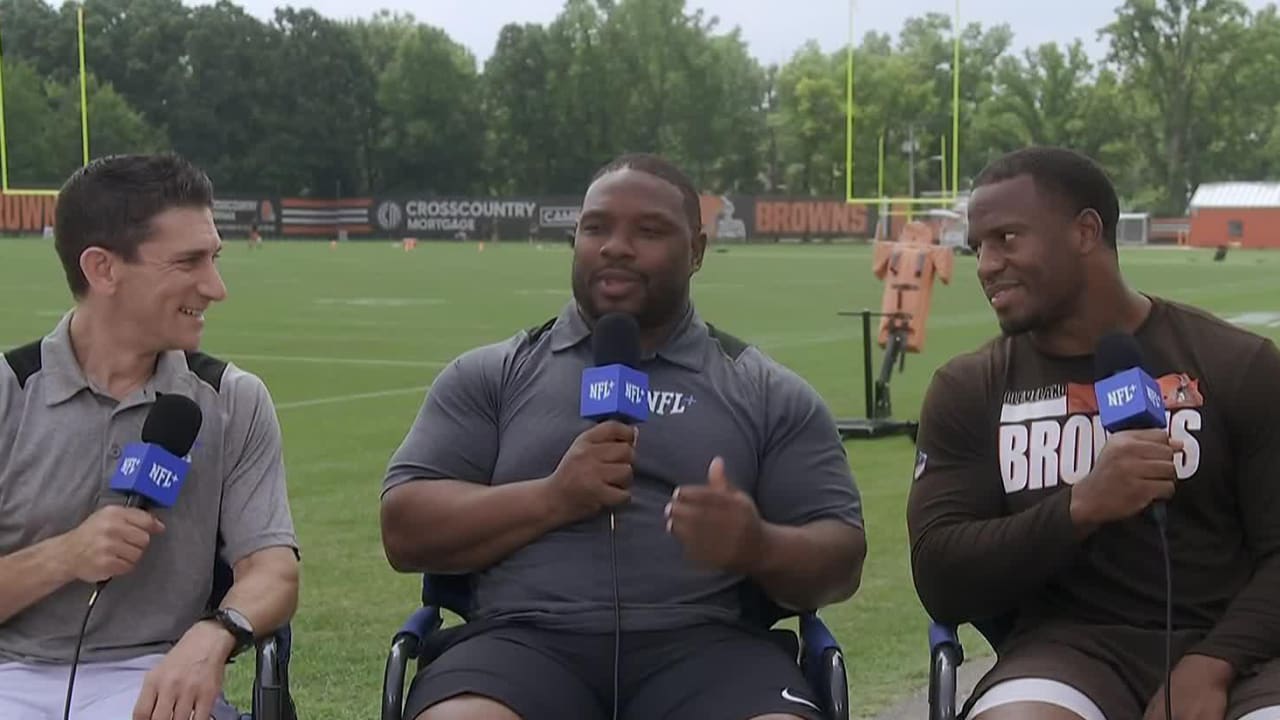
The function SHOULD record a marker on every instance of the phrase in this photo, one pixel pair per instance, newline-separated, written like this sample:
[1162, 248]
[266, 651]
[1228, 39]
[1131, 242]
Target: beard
[660, 300]
[1019, 326]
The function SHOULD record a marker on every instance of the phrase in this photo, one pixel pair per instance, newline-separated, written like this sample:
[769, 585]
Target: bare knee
[468, 707]
[1027, 711]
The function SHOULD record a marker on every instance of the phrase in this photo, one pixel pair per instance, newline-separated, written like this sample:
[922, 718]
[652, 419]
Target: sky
[773, 29]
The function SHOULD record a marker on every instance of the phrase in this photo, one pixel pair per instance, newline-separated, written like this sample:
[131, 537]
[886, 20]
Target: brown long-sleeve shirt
[1006, 431]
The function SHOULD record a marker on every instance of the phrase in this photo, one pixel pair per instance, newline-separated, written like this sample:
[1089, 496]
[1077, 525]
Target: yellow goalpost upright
[949, 187]
[84, 115]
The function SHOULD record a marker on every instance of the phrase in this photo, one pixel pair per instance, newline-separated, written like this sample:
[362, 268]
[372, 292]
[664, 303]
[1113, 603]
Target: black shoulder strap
[538, 331]
[206, 367]
[25, 361]
[733, 347]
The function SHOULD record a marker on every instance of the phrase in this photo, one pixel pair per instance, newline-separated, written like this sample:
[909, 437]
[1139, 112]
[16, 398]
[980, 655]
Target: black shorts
[707, 672]
[1119, 668]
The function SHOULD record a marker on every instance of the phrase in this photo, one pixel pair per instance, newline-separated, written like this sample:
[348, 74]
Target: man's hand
[1134, 469]
[595, 472]
[186, 683]
[1200, 685]
[109, 542]
[717, 523]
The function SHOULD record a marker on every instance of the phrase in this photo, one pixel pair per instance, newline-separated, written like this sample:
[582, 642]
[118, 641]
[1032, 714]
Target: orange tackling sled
[908, 268]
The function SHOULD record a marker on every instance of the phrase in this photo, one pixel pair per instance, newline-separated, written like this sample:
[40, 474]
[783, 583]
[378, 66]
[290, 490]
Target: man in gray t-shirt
[737, 482]
[137, 242]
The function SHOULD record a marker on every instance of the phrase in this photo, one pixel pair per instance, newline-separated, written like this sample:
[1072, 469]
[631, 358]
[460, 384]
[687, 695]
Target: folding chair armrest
[405, 646]
[271, 698]
[822, 662]
[945, 657]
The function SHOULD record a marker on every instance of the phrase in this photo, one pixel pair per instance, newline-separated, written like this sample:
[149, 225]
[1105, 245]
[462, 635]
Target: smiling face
[162, 293]
[1030, 263]
[635, 248]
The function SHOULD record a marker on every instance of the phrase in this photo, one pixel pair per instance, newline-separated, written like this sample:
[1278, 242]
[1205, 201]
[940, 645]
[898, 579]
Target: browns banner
[726, 218]
[235, 216]
[26, 214]
[826, 218]
[472, 218]
[558, 217]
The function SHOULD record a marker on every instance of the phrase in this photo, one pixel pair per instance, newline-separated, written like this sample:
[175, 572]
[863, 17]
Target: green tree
[433, 131]
[1176, 56]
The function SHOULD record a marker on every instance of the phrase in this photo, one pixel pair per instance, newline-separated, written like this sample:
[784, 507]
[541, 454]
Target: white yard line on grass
[348, 398]
[333, 360]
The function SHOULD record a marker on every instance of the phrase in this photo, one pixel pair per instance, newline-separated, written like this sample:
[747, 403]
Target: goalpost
[948, 194]
[84, 116]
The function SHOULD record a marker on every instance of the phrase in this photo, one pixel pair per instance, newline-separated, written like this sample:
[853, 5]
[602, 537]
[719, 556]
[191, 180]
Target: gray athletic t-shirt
[60, 442]
[507, 412]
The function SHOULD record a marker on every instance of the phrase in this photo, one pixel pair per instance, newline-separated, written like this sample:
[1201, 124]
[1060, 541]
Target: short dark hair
[1074, 178]
[659, 166]
[110, 203]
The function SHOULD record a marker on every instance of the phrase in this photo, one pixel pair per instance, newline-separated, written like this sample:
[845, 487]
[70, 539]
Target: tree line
[303, 105]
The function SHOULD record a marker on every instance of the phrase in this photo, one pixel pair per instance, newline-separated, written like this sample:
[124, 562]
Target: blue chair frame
[271, 697]
[946, 655]
[820, 657]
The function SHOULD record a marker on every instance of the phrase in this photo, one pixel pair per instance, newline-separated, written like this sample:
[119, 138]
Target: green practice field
[348, 339]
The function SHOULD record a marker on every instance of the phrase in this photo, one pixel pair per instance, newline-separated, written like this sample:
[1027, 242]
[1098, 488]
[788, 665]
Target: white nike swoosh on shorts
[786, 695]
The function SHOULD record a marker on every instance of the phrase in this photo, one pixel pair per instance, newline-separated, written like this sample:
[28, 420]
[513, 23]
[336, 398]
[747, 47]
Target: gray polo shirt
[60, 442]
[508, 412]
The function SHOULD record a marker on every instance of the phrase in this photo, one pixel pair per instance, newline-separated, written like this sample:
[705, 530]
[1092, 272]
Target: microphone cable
[75, 659]
[1160, 517]
[131, 502]
[617, 610]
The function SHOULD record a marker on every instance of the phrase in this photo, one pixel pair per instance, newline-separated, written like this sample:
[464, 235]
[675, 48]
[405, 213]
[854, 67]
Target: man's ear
[699, 249]
[101, 270]
[1089, 232]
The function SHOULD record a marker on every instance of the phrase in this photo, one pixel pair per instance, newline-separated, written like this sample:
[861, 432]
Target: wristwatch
[235, 623]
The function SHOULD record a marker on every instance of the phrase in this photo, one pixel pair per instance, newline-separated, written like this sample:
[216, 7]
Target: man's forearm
[808, 567]
[1249, 632]
[30, 575]
[265, 589]
[451, 526]
[976, 569]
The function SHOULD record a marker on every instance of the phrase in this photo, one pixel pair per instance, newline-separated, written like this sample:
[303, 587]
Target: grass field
[348, 340]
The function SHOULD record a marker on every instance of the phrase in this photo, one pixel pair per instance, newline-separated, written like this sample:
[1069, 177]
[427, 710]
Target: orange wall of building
[1210, 227]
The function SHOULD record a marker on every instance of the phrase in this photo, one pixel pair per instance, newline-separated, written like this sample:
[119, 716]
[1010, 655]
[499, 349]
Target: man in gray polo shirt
[738, 480]
[137, 242]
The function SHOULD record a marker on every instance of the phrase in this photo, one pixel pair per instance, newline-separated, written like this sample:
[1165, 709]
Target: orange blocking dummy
[908, 268]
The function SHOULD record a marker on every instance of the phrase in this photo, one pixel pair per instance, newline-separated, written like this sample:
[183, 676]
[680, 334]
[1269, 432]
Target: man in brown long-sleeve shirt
[1018, 511]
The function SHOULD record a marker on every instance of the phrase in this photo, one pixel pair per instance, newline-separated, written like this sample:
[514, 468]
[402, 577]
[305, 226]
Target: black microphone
[151, 472]
[613, 389]
[616, 340]
[1128, 399]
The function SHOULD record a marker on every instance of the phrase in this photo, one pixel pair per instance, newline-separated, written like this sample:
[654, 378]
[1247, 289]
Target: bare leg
[1028, 711]
[468, 707]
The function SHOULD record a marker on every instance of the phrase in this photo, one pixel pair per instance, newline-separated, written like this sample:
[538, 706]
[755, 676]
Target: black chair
[816, 649]
[271, 698]
[945, 657]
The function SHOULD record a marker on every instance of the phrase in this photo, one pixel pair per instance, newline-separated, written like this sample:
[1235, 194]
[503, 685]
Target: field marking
[1260, 319]
[334, 360]
[545, 291]
[335, 399]
[375, 302]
